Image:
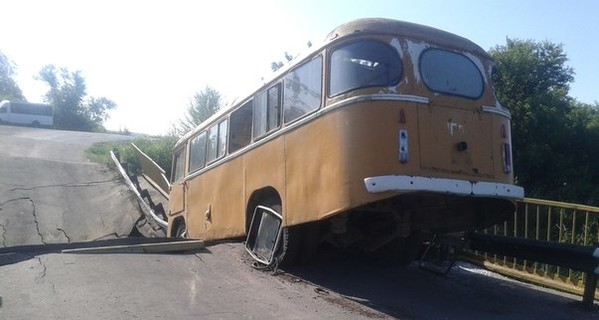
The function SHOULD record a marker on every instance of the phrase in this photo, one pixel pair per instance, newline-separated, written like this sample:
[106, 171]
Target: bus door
[178, 186]
[455, 140]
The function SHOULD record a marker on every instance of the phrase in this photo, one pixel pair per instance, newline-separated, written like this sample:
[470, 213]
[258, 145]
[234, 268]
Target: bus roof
[402, 28]
[354, 27]
[3, 102]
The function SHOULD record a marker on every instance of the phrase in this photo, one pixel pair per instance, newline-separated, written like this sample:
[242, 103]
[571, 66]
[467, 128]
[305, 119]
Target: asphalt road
[49, 192]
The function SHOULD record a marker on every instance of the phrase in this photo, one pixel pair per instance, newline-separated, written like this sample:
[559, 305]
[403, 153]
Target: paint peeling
[415, 48]
[392, 90]
[395, 44]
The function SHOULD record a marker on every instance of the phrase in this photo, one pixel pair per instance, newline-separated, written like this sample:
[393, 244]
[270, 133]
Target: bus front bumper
[408, 184]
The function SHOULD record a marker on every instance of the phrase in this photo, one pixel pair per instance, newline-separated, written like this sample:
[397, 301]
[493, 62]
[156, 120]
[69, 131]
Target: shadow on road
[467, 292]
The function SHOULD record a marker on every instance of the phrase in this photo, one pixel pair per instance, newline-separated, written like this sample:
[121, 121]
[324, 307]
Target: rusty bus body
[388, 132]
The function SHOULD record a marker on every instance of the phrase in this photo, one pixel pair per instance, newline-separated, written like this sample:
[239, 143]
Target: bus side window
[197, 152]
[303, 90]
[274, 107]
[222, 138]
[241, 127]
[267, 111]
[212, 142]
[217, 141]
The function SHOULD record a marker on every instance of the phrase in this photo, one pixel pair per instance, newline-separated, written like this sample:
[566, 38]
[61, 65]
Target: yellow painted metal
[152, 172]
[566, 229]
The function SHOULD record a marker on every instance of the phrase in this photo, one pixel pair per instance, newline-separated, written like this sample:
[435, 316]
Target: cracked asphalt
[51, 193]
[46, 197]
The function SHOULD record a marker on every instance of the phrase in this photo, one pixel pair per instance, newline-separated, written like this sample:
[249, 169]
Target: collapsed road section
[154, 213]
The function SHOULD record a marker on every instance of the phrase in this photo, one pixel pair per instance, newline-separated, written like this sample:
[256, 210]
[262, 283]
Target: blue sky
[150, 57]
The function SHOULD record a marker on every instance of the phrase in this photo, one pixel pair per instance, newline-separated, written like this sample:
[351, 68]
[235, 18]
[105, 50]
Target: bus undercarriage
[393, 229]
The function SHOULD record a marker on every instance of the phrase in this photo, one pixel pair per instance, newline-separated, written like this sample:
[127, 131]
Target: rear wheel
[288, 248]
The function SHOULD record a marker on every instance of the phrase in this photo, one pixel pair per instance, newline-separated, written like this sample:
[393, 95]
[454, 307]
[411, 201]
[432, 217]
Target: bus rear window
[364, 64]
[450, 73]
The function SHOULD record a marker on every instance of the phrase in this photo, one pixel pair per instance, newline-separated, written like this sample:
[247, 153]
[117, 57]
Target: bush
[158, 149]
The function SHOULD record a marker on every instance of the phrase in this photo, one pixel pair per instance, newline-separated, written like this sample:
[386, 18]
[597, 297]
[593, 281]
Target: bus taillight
[507, 158]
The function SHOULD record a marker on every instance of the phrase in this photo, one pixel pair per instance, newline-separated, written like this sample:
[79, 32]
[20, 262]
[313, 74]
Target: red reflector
[402, 116]
[503, 131]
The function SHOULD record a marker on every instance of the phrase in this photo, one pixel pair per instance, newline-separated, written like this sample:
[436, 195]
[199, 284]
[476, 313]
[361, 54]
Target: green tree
[550, 130]
[9, 90]
[68, 94]
[203, 105]
[581, 172]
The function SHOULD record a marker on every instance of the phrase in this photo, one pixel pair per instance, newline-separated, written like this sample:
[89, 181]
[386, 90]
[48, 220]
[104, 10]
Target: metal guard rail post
[145, 206]
[584, 259]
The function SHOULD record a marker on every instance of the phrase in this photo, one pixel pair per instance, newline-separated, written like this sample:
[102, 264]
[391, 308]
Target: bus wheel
[180, 231]
[36, 123]
[287, 251]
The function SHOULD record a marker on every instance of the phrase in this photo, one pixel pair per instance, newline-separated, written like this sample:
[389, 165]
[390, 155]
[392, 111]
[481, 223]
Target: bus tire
[288, 249]
[180, 231]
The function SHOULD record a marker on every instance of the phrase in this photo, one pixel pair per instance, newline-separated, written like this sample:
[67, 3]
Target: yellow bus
[387, 133]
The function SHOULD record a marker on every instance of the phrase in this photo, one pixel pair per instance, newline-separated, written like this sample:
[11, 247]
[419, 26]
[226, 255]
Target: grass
[157, 148]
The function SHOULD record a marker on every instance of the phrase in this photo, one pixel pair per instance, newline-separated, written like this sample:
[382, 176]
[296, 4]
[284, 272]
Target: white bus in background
[25, 113]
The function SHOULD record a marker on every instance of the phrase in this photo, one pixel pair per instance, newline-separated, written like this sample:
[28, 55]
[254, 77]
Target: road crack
[69, 185]
[65, 234]
[13, 200]
[37, 223]
[43, 265]
[34, 213]
[3, 227]
[197, 255]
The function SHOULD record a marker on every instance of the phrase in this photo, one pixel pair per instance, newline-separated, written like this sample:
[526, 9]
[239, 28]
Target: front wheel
[180, 231]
